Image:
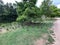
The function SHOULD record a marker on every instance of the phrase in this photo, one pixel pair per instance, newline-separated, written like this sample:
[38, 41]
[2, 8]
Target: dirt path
[56, 28]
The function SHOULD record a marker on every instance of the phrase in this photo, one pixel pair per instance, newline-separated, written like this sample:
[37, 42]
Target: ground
[25, 35]
[56, 29]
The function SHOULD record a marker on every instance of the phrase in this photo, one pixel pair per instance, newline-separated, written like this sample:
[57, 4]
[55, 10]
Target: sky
[55, 2]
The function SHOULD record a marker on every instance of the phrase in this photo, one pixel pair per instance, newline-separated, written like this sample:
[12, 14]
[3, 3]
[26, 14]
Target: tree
[1, 7]
[27, 11]
[6, 9]
[58, 12]
[33, 1]
[54, 11]
[45, 7]
[9, 13]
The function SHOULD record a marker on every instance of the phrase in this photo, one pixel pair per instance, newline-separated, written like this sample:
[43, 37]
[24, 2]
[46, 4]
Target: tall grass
[24, 35]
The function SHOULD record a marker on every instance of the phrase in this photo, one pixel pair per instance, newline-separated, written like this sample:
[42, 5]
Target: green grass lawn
[25, 35]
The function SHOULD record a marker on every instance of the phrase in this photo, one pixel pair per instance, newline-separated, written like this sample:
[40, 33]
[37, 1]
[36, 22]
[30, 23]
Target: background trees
[48, 9]
[54, 11]
[7, 12]
[45, 7]
[27, 11]
[1, 7]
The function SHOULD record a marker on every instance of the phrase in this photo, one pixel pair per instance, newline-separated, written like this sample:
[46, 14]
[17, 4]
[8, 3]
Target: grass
[25, 35]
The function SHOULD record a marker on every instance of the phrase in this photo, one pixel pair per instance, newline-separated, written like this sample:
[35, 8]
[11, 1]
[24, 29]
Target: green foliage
[54, 11]
[1, 7]
[50, 39]
[33, 1]
[23, 36]
[45, 7]
[7, 12]
[27, 11]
